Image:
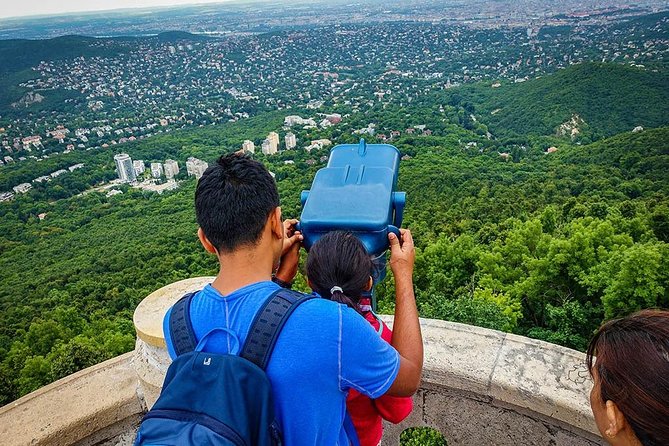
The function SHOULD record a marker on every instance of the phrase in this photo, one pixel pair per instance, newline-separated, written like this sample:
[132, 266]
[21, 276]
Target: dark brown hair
[339, 259]
[632, 363]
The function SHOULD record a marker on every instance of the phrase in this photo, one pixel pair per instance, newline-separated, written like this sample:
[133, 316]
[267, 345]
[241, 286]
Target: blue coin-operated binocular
[356, 192]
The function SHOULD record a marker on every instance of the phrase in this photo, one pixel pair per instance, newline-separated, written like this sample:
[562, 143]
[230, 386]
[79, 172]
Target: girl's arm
[407, 338]
[391, 408]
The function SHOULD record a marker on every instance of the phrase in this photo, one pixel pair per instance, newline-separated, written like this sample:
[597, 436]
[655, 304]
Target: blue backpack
[219, 399]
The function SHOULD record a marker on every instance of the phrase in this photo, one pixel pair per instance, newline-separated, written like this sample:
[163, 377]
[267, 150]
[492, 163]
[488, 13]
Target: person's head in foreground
[338, 268]
[237, 207]
[629, 362]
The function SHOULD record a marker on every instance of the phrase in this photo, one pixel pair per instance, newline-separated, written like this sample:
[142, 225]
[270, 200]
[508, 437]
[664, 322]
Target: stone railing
[86, 408]
[480, 387]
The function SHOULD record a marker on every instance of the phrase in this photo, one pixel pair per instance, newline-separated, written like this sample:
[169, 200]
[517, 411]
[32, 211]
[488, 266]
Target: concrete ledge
[490, 372]
[74, 408]
[148, 316]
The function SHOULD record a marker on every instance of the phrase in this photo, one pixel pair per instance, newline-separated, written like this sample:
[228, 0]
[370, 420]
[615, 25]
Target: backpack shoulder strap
[181, 329]
[268, 323]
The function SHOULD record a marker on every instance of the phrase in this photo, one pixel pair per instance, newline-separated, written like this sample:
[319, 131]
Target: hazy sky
[15, 8]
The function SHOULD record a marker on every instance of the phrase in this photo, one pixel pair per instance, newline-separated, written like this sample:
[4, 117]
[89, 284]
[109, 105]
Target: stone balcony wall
[480, 387]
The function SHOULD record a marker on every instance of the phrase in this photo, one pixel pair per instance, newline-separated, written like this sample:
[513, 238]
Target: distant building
[266, 147]
[171, 169]
[139, 167]
[292, 120]
[74, 167]
[156, 170]
[273, 139]
[290, 140]
[334, 118]
[34, 140]
[369, 130]
[113, 192]
[124, 168]
[58, 173]
[196, 167]
[6, 196]
[318, 144]
[248, 146]
[22, 188]
[315, 103]
[42, 179]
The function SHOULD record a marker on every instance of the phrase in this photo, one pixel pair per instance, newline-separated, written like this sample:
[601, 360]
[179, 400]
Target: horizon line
[47, 15]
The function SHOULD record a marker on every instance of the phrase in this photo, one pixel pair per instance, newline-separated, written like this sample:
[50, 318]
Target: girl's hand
[402, 253]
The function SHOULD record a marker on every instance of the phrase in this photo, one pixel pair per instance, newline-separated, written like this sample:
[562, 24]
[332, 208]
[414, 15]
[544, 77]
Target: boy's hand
[290, 255]
[402, 254]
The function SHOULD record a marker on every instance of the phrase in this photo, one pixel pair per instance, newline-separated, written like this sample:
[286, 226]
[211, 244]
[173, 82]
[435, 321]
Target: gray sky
[15, 8]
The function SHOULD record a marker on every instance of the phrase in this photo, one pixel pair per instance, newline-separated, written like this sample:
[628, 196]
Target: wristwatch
[282, 283]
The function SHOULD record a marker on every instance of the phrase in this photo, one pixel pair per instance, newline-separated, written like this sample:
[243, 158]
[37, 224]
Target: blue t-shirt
[324, 350]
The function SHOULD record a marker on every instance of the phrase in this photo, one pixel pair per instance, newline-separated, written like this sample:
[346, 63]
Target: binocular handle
[395, 230]
[399, 201]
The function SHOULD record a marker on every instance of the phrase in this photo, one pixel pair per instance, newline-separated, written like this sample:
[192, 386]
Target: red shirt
[367, 413]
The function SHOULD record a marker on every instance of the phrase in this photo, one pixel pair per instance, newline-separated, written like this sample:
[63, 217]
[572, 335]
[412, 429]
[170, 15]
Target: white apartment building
[171, 169]
[22, 188]
[273, 139]
[124, 168]
[291, 140]
[267, 147]
[248, 146]
[139, 167]
[156, 170]
[196, 167]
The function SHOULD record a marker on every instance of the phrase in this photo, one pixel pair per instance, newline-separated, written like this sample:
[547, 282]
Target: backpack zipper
[210, 423]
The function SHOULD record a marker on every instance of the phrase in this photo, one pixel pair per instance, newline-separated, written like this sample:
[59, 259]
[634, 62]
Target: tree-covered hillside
[608, 99]
[548, 247]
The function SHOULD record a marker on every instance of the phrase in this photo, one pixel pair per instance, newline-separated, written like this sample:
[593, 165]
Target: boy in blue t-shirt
[325, 348]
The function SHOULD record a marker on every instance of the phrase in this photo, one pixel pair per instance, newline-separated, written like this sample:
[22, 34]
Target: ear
[615, 419]
[208, 246]
[276, 224]
[370, 284]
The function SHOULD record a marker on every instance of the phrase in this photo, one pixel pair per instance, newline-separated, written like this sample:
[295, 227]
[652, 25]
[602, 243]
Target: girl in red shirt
[338, 268]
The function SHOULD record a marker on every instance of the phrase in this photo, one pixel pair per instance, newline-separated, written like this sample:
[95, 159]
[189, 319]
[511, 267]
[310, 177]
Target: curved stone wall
[480, 387]
[85, 408]
[484, 387]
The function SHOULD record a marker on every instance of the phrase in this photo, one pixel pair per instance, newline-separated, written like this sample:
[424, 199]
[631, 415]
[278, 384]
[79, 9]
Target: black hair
[339, 259]
[233, 200]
